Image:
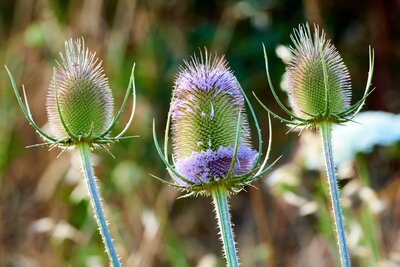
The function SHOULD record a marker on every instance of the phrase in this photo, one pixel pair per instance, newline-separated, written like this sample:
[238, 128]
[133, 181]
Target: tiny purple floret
[197, 76]
[210, 165]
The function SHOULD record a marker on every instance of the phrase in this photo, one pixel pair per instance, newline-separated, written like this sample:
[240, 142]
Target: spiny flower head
[84, 96]
[307, 88]
[207, 101]
[210, 132]
[319, 86]
[79, 101]
[205, 108]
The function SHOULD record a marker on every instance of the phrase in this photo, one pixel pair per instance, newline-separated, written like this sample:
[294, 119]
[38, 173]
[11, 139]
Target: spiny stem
[220, 199]
[84, 151]
[325, 128]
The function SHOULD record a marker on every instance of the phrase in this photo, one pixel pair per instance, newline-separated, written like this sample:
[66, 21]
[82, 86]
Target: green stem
[369, 221]
[325, 128]
[84, 151]
[220, 199]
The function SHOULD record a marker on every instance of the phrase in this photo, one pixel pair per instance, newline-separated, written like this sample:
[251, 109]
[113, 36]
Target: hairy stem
[325, 128]
[220, 199]
[84, 151]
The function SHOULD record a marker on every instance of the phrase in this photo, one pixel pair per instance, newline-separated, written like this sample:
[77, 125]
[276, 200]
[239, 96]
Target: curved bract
[210, 132]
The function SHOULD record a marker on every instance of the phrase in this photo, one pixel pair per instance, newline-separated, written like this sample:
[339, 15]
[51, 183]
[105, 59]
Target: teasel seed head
[84, 99]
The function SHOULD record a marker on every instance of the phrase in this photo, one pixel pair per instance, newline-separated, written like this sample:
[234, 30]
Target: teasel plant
[80, 114]
[319, 92]
[212, 150]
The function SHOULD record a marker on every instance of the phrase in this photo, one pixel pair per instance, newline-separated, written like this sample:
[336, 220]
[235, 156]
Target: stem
[325, 128]
[84, 151]
[220, 199]
[369, 221]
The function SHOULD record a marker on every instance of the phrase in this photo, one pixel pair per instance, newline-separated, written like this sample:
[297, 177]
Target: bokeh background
[45, 219]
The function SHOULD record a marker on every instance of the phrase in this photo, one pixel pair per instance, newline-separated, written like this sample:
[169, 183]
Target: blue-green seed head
[205, 108]
[307, 88]
[85, 101]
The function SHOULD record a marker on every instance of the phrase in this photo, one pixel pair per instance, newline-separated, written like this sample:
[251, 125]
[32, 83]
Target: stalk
[325, 128]
[220, 199]
[369, 221]
[95, 201]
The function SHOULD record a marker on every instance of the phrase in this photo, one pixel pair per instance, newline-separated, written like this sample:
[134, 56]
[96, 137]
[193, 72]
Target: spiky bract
[307, 91]
[205, 109]
[84, 96]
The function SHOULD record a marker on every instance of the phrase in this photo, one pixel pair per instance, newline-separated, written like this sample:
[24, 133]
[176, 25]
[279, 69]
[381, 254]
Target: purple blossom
[211, 165]
[208, 76]
[205, 109]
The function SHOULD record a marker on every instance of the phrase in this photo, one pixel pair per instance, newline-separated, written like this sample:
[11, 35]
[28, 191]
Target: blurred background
[285, 220]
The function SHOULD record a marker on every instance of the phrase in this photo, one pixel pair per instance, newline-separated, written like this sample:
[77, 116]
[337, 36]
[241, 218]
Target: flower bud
[205, 109]
[79, 95]
[310, 94]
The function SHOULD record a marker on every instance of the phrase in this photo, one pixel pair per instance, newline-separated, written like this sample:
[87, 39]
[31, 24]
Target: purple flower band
[203, 76]
[210, 165]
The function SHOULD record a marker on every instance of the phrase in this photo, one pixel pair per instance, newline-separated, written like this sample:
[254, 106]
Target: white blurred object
[374, 204]
[369, 129]
[94, 261]
[208, 260]
[42, 225]
[283, 52]
[150, 223]
[285, 174]
[64, 230]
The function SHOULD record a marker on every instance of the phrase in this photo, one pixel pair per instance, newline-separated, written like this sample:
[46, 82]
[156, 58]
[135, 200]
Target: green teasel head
[80, 93]
[319, 84]
[79, 100]
[313, 59]
[210, 132]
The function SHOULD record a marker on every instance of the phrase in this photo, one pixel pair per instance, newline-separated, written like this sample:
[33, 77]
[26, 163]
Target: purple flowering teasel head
[319, 85]
[210, 131]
